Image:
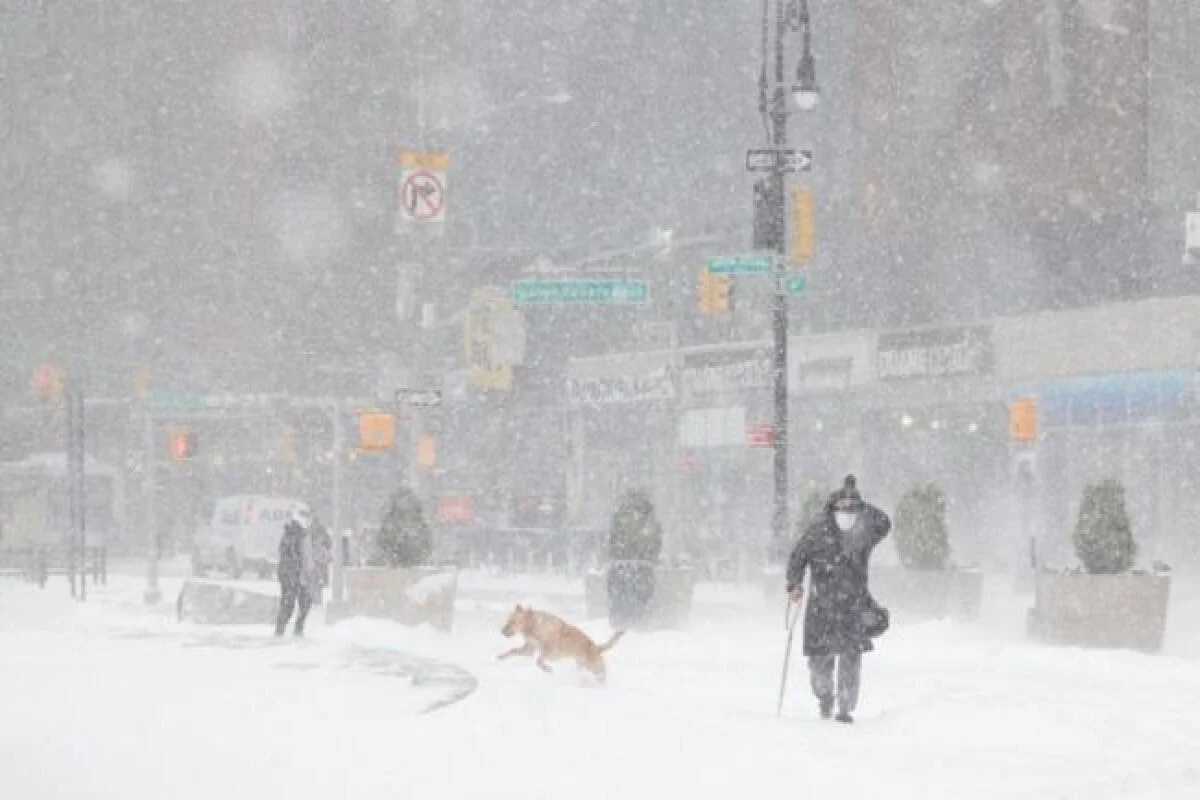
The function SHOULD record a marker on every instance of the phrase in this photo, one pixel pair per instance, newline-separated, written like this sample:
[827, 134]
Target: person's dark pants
[292, 596]
[849, 675]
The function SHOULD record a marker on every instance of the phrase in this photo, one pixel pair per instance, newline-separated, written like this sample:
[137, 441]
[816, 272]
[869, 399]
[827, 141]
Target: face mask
[844, 519]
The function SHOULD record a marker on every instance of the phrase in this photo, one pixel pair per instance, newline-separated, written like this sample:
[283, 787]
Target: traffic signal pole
[339, 445]
[779, 305]
[153, 594]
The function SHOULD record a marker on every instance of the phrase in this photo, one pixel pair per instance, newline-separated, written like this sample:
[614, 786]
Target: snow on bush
[404, 539]
[922, 540]
[1103, 536]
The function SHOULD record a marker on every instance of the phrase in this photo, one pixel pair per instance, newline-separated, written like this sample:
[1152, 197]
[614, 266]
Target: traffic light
[769, 221]
[1022, 420]
[427, 452]
[183, 444]
[803, 224]
[715, 293]
[722, 294]
[141, 382]
[287, 443]
[46, 384]
[376, 431]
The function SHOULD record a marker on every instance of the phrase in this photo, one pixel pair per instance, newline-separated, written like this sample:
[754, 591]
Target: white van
[244, 534]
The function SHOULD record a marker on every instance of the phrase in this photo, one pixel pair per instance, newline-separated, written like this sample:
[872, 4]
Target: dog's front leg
[524, 650]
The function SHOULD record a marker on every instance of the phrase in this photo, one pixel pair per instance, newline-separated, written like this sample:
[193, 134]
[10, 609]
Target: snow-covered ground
[110, 701]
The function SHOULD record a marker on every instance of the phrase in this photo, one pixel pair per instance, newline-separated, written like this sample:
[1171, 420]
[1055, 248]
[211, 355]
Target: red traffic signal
[183, 445]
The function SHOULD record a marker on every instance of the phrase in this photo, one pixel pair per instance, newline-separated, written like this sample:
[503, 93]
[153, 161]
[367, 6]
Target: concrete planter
[216, 604]
[1127, 611]
[670, 606]
[921, 595]
[410, 596]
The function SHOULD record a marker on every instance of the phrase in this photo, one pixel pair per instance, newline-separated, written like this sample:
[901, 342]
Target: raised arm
[880, 524]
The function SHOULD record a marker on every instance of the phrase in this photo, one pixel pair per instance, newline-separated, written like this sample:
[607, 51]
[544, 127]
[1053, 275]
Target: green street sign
[795, 283]
[573, 291]
[740, 265]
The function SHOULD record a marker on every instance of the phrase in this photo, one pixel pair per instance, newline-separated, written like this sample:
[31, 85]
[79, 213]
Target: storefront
[936, 414]
[620, 431]
[1115, 389]
[1117, 396]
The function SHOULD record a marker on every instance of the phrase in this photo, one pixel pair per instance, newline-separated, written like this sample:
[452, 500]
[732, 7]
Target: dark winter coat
[295, 554]
[841, 616]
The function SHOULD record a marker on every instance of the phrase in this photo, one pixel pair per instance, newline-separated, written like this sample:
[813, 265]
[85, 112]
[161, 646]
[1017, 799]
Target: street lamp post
[771, 202]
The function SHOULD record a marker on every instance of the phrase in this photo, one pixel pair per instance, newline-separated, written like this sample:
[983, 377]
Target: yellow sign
[714, 293]
[804, 237]
[436, 162]
[376, 431]
[484, 358]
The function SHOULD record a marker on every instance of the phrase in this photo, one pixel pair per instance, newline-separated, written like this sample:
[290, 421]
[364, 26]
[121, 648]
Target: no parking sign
[421, 195]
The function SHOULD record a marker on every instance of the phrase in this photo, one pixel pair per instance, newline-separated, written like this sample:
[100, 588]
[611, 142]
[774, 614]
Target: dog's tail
[616, 637]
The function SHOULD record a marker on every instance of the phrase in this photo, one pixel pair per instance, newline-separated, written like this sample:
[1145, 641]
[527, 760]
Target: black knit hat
[848, 492]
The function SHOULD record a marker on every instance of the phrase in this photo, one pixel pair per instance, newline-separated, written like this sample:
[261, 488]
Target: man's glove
[795, 593]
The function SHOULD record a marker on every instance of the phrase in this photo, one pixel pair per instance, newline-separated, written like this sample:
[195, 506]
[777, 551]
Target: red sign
[761, 434]
[455, 510]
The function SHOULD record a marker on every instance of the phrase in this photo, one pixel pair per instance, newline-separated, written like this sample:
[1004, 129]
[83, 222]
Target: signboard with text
[935, 353]
[647, 386]
[727, 371]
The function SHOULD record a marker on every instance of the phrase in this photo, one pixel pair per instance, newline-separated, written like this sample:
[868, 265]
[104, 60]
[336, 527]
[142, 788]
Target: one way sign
[421, 398]
[778, 160]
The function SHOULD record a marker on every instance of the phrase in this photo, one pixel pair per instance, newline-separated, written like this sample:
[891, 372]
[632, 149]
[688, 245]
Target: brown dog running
[553, 639]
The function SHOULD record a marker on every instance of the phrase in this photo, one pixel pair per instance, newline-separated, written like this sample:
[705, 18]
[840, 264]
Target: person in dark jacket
[842, 617]
[295, 572]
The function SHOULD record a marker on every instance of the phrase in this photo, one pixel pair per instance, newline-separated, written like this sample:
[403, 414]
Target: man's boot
[845, 716]
[826, 707]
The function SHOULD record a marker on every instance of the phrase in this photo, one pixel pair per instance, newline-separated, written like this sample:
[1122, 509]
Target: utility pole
[339, 561]
[779, 303]
[150, 479]
[770, 218]
[76, 486]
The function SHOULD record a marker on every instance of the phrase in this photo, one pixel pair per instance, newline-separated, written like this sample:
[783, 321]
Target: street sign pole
[339, 444]
[779, 308]
[149, 479]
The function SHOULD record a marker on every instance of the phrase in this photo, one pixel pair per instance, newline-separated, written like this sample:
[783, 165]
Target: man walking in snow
[296, 572]
[842, 617]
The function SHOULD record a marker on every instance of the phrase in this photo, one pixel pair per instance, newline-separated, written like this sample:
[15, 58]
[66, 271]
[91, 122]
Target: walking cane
[790, 616]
